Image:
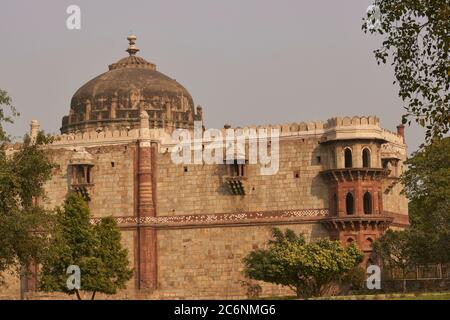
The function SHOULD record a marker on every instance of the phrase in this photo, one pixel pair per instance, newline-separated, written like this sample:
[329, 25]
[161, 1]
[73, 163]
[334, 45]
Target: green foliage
[23, 222]
[428, 174]
[427, 185]
[252, 288]
[23, 238]
[23, 174]
[113, 257]
[395, 250]
[308, 268]
[355, 278]
[7, 112]
[393, 247]
[417, 40]
[96, 250]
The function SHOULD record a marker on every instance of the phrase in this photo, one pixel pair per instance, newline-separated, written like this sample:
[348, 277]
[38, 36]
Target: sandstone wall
[201, 190]
[393, 200]
[207, 262]
[112, 193]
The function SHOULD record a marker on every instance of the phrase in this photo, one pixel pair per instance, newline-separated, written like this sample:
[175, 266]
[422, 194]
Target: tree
[7, 112]
[113, 256]
[417, 40]
[307, 268]
[393, 247]
[96, 250]
[427, 185]
[23, 173]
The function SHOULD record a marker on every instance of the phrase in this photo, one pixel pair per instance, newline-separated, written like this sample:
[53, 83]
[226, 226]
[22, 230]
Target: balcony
[353, 174]
[357, 223]
[236, 184]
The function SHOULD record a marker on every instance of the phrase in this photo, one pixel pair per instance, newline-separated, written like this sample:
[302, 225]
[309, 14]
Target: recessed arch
[349, 203]
[367, 202]
[366, 157]
[348, 158]
[333, 159]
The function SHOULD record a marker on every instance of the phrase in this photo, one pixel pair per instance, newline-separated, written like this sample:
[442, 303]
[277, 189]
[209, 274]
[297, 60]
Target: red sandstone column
[380, 197]
[146, 235]
[341, 200]
[358, 198]
[376, 201]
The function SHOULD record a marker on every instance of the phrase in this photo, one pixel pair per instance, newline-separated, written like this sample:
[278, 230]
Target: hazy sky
[245, 61]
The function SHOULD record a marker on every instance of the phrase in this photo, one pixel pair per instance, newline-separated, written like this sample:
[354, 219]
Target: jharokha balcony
[236, 184]
[352, 174]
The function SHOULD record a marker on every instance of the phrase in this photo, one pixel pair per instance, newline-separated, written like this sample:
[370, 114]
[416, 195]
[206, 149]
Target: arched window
[367, 201]
[349, 203]
[366, 158]
[348, 158]
[369, 242]
[350, 241]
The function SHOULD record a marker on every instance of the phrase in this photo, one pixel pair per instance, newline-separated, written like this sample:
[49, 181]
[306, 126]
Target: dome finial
[132, 49]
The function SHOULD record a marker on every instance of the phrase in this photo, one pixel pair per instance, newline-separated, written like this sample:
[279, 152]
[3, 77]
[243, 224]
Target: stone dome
[114, 99]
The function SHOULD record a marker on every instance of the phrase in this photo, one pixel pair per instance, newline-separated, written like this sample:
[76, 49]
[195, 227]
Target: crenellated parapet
[285, 129]
[338, 128]
[360, 127]
[94, 138]
[334, 128]
[347, 128]
[96, 135]
[352, 121]
[392, 137]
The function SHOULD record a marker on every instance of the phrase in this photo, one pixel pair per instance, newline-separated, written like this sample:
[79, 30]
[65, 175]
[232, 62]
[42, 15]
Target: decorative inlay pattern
[222, 218]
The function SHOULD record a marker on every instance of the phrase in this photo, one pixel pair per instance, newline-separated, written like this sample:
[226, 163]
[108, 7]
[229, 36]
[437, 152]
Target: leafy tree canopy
[416, 39]
[308, 268]
[7, 112]
[393, 247]
[395, 250]
[427, 185]
[23, 173]
[95, 249]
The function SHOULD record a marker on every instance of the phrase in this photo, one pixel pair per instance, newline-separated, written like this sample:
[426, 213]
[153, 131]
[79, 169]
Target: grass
[387, 296]
[395, 296]
[428, 296]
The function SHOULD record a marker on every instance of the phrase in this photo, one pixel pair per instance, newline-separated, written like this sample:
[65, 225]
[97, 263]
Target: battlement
[352, 121]
[287, 129]
[94, 135]
[392, 137]
[108, 137]
[334, 128]
[319, 127]
[292, 129]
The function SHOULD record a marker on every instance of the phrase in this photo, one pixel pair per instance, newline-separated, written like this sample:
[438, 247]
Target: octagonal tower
[356, 177]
